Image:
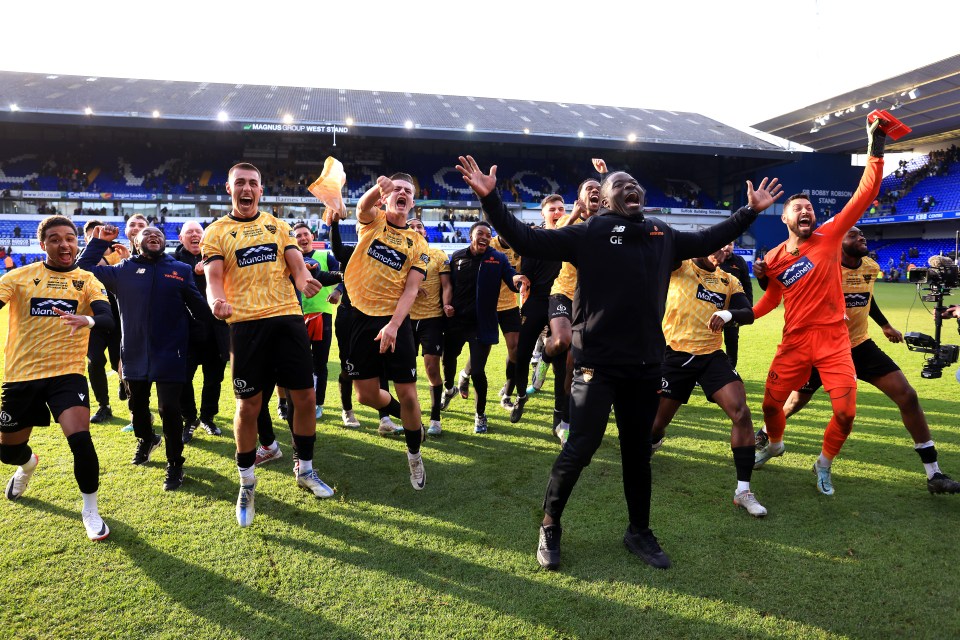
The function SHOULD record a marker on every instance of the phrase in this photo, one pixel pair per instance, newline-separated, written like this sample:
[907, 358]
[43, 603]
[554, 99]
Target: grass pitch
[877, 560]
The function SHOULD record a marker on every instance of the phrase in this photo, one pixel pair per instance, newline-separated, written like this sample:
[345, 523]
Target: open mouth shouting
[66, 256]
[805, 223]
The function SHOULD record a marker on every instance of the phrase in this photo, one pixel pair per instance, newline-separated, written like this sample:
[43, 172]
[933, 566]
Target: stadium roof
[144, 103]
[926, 99]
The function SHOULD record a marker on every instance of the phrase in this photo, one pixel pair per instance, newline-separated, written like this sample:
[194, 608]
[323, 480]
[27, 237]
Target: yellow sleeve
[210, 244]
[444, 260]
[286, 233]
[6, 288]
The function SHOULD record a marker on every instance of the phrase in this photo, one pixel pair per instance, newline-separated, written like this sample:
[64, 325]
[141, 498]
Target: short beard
[150, 254]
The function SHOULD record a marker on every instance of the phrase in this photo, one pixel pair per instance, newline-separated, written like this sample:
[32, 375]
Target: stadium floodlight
[14, 107]
[579, 134]
[408, 124]
[632, 137]
[348, 122]
[526, 131]
[287, 118]
[156, 114]
[912, 94]
[88, 111]
[865, 105]
[223, 116]
[469, 126]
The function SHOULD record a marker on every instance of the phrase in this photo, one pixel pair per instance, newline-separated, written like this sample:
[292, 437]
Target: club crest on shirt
[409, 243]
[271, 228]
[78, 284]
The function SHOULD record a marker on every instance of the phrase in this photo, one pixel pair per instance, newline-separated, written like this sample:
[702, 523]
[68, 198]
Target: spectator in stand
[17, 231]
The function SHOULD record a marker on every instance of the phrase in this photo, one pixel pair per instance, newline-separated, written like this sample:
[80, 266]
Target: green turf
[877, 560]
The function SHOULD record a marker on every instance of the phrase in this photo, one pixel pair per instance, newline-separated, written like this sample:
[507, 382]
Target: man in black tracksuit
[624, 262]
[535, 314]
[737, 266]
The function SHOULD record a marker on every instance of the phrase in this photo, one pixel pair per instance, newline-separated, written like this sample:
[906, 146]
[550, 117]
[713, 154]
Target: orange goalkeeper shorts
[826, 347]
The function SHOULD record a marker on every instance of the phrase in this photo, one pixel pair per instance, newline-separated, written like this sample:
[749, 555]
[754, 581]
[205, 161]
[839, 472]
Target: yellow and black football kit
[255, 275]
[377, 272]
[430, 305]
[39, 345]
[268, 340]
[857, 292]
[693, 354]
[694, 295]
[44, 365]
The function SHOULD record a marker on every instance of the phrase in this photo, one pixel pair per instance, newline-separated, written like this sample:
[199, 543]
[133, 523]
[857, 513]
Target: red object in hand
[889, 124]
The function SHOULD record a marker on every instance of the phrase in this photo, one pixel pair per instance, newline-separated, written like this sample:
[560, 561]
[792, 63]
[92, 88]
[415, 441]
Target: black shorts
[869, 360]
[509, 320]
[271, 350]
[343, 326]
[366, 361]
[428, 333]
[681, 371]
[561, 307]
[25, 404]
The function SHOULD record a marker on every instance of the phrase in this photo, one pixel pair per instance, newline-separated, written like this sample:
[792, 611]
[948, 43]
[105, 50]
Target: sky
[739, 61]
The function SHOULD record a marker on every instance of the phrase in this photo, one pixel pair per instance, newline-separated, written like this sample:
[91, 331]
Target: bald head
[191, 233]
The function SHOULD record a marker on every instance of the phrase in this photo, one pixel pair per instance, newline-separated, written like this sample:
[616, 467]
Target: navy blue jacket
[154, 321]
[476, 290]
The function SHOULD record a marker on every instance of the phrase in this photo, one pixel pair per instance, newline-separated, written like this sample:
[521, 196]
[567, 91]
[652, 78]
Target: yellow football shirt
[431, 304]
[566, 281]
[255, 275]
[694, 295]
[857, 293]
[39, 345]
[377, 272]
[508, 298]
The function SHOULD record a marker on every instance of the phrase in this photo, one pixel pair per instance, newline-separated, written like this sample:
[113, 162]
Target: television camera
[937, 279]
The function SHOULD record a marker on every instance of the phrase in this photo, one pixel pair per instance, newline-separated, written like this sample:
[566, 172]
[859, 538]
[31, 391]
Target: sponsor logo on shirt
[256, 254]
[714, 298]
[856, 299]
[794, 272]
[384, 254]
[174, 275]
[45, 306]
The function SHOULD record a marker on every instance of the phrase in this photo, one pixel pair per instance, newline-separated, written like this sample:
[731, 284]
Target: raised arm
[691, 244]
[869, 186]
[370, 201]
[552, 244]
[91, 257]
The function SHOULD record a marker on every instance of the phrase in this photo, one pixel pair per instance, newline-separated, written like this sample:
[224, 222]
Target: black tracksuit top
[624, 265]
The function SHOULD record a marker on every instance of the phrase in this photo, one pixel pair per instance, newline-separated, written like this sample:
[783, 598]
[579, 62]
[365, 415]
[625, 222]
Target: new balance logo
[141, 270]
[619, 228]
[46, 306]
[794, 272]
[257, 254]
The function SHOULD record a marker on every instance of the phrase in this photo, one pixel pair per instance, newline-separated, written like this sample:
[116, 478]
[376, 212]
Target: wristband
[90, 321]
[724, 315]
